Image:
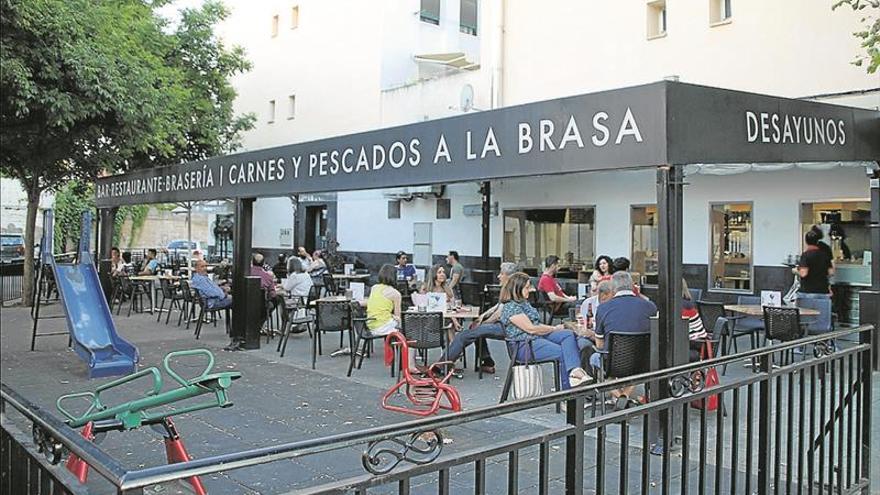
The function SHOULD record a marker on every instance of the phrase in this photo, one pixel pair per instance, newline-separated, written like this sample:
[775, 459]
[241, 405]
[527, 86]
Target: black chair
[425, 330]
[330, 286]
[189, 303]
[748, 325]
[363, 337]
[331, 316]
[121, 292]
[206, 312]
[710, 311]
[295, 313]
[169, 293]
[624, 355]
[139, 289]
[783, 324]
[513, 348]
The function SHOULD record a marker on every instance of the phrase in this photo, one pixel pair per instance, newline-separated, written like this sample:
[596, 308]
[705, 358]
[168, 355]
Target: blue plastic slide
[88, 316]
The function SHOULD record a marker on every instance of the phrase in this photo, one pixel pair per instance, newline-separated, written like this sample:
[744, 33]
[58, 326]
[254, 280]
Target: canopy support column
[672, 336]
[106, 221]
[486, 191]
[241, 246]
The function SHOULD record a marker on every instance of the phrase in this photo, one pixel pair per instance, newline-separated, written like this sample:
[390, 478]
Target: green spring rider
[100, 418]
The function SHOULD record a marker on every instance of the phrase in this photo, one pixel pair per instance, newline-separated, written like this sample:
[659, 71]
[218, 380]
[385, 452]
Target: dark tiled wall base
[374, 261]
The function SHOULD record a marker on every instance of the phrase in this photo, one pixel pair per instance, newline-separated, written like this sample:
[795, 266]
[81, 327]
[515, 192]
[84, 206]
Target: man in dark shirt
[814, 266]
[624, 313]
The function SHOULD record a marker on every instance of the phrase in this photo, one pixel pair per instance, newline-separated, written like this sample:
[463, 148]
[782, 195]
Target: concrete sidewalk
[283, 400]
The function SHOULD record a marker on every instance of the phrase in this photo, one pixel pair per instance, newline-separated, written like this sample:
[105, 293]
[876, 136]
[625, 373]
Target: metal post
[673, 344]
[869, 300]
[106, 219]
[294, 205]
[241, 245]
[574, 447]
[486, 191]
[765, 412]
[866, 402]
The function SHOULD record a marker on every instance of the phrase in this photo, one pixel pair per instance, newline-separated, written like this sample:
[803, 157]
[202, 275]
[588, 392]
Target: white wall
[13, 207]
[776, 198]
[792, 48]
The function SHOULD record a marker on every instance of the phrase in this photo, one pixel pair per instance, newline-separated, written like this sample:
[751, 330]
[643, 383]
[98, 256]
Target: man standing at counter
[814, 267]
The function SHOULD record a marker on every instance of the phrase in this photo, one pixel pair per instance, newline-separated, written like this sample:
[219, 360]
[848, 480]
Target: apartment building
[330, 68]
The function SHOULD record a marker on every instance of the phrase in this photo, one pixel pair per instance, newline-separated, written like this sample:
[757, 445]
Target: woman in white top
[297, 283]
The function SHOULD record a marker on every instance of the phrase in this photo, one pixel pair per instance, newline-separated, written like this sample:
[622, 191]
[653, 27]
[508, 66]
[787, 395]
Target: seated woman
[696, 331]
[297, 282]
[603, 270]
[437, 282]
[383, 305]
[521, 322]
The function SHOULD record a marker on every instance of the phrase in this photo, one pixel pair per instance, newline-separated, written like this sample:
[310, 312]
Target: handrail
[103, 463]
[125, 480]
[207, 465]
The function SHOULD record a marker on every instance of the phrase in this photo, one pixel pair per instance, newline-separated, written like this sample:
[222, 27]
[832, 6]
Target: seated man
[215, 297]
[405, 271]
[586, 337]
[547, 283]
[624, 313]
[267, 280]
[487, 325]
[151, 265]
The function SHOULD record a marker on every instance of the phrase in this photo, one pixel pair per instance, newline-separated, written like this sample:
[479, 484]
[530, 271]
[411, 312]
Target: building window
[430, 12]
[530, 235]
[467, 23]
[643, 220]
[730, 263]
[275, 25]
[719, 11]
[656, 18]
[394, 209]
[291, 107]
[271, 112]
[294, 17]
[847, 230]
[444, 209]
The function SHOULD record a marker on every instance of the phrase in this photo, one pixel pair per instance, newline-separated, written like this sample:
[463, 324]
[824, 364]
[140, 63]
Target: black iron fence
[11, 274]
[800, 422]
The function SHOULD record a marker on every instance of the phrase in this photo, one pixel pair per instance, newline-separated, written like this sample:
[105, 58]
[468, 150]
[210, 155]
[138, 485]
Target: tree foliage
[92, 86]
[869, 34]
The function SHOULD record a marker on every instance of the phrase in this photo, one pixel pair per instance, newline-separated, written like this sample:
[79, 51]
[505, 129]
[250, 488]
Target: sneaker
[458, 373]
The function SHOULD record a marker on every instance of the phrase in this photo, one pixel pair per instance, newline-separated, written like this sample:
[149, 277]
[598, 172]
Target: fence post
[866, 338]
[574, 447]
[765, 411]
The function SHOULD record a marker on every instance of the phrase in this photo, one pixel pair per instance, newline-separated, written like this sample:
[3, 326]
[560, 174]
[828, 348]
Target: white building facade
[331, 68]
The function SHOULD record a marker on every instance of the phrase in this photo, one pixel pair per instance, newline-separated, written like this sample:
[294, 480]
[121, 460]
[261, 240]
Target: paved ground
[282, 400]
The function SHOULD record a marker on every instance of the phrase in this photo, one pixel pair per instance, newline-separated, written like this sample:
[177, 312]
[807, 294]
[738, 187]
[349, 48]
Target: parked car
[181, 248]
[11, 246]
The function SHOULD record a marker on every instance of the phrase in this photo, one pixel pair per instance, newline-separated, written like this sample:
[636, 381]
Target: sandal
[621, 403]
[579, 377]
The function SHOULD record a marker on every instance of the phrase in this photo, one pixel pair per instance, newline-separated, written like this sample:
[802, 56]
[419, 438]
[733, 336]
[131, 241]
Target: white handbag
[528, 381]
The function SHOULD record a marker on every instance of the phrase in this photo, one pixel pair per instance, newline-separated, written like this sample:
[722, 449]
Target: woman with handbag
[534, 340]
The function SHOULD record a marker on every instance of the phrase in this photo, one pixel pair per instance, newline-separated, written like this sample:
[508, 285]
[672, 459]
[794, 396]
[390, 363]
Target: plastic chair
[748, 325]
[624, 355]
[782, 324]
[330, 286]
[169, 293]
[817, 325]
[423, 331]
[331, 316]
[696, 294]
[189, 303]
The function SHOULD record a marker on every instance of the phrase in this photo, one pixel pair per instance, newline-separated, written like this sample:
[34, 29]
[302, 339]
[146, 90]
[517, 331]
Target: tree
[870, 34]
[90, 87]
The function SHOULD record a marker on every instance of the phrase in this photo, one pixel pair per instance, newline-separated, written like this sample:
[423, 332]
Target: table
[464, 313]
[351, 276]
[758, 310]
[152, 279]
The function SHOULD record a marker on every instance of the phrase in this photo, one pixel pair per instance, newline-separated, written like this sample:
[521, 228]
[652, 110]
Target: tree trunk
[27, 283]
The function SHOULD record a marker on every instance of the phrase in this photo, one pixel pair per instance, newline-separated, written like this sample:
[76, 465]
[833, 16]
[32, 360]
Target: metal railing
[11, 276]
[792, 426]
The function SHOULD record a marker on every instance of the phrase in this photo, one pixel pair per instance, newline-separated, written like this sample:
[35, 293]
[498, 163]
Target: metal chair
[139, 289]
[363, 337]
[169, 293]
[121, 291]
[189, 303]
[782, 324]
[513, 348]
[331, 316]
[206, 312]
[294, 313]
[710, 311]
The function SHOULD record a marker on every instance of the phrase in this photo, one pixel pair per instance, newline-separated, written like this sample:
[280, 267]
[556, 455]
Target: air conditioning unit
[410, 193]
